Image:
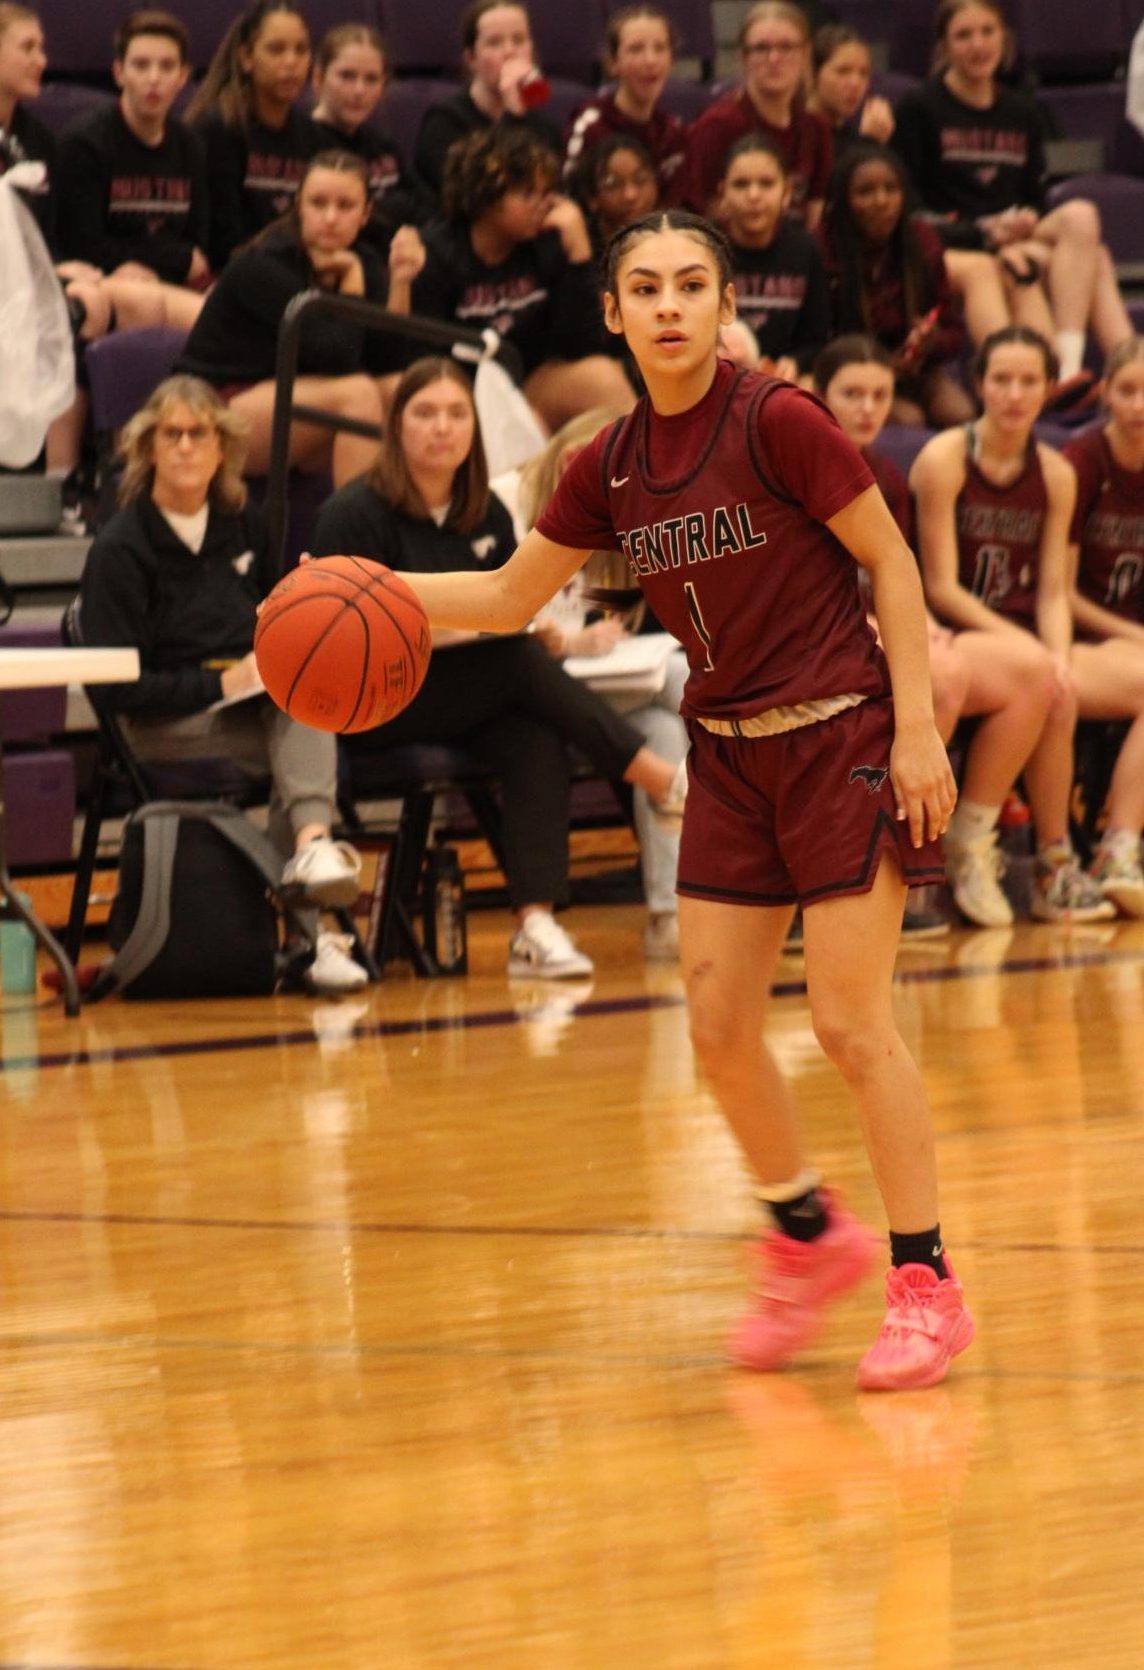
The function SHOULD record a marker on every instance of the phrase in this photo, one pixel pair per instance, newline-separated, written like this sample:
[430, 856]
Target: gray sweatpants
[258, 737]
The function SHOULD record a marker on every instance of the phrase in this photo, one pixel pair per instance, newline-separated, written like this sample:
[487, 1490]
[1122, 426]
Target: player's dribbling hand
[924, 788]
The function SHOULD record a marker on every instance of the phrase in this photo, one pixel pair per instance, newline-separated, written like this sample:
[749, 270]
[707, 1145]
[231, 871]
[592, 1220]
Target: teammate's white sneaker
[974, 870]
[333, 971]
[324, 873]
[541, 949]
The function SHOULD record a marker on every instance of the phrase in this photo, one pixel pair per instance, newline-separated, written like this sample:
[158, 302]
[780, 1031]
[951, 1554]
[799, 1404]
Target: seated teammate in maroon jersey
[816, 775]
[1108, 608]
[994, 507]
[1003, 678]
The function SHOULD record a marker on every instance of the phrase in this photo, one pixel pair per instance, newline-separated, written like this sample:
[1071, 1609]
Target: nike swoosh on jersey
[623, 479]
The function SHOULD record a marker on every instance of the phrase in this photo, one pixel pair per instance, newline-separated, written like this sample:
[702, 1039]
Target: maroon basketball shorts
[793, 818]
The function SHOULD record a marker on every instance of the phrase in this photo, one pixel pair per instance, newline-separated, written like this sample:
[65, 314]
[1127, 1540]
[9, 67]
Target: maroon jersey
[1108, 525]
[999, 536]
[719, 511]
[663, 135]
[807, 145]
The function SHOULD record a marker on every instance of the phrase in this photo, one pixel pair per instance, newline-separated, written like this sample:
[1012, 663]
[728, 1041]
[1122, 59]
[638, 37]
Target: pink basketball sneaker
[926, 1326]
[797, 1280]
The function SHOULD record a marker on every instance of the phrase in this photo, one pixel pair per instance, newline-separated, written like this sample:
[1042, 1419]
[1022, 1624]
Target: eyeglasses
[197, 433]
[772, 49]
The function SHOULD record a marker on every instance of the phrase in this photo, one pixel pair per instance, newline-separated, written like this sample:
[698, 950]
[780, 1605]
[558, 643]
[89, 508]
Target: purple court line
[345, 1227]
[509, 1017]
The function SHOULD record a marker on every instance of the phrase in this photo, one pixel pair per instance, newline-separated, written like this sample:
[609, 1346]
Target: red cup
[535, 90]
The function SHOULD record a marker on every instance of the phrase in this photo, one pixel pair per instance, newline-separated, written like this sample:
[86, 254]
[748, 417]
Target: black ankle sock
[925, 1248]
[803, 1218]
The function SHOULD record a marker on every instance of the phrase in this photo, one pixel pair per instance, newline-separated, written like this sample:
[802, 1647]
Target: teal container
[17, 954]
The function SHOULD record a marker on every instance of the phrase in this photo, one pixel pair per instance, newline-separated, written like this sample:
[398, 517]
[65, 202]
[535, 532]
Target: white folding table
[29, 669]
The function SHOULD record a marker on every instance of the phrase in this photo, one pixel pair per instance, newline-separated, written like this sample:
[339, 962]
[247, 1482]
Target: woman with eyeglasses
[178, 575]
[775, 46]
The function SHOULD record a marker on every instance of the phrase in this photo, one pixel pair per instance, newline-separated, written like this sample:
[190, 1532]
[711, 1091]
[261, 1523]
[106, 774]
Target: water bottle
[444, 911]
[17, 953]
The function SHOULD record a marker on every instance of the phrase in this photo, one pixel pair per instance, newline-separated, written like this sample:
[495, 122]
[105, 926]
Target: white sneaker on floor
[324, 873]
[1063, 892]
[333, 970]
[974, 870]
[670, 809]
[541, 949]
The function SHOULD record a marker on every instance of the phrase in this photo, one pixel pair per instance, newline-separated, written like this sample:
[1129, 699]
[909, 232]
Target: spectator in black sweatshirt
[257, 142]
[780, 283]
[504, 89]
[314, 245]
[132, 180]
[512, 255]
[974, 149]
[349, 81]
[178, 575]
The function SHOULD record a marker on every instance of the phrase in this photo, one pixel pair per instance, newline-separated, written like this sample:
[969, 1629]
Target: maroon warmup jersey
[999, 536]
[1108, 525]
[719, 511]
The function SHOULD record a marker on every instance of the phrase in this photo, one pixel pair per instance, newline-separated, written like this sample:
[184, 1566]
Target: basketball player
[816, 774]
[994, 507]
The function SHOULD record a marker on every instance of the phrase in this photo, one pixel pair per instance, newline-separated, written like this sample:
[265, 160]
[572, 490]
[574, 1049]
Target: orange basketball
[342, 644]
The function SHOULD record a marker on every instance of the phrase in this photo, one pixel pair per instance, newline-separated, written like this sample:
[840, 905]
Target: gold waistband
[774, 720]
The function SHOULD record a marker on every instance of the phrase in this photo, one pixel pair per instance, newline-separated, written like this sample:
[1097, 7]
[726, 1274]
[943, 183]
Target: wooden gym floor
[388, 1334]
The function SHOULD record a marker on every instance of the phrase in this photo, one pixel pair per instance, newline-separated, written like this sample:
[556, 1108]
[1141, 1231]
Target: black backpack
[196, 913]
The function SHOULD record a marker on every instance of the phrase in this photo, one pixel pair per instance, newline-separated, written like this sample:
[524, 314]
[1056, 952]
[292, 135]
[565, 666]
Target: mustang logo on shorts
[872, 775]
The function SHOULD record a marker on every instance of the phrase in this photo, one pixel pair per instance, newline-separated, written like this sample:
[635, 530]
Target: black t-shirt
[398, 199]
[28, 140]
[188, 613]
[357, 519]
[781, 293]
[235, 337]
[254, 172]
[457, 117]
[544, 304]
[121, 200]
[967, 163]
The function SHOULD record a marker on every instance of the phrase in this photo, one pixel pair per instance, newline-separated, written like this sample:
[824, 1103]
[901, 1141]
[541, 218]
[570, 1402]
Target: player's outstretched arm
[504, 599]
[919, 766]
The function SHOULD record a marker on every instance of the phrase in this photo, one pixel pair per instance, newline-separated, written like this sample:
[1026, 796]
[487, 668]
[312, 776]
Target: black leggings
[515, 708]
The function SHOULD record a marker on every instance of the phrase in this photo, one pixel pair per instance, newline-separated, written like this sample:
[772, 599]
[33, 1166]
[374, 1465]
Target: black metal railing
[466, 345]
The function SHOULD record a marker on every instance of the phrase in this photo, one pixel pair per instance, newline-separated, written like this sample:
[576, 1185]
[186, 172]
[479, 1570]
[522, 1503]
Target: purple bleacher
[693, 25]
[1093, 111]
[871, 18]
[893, 84]
[1135, 308]
[78, 34]
[1055, 37]
[427, 38]
[31, 715]
[39, 809]
[404, 105]
[125, 368]
[567, 96]
[39, 782]
[901, 442]
[63, 102]
[687, 99]
[912, 37]
[1120, 200]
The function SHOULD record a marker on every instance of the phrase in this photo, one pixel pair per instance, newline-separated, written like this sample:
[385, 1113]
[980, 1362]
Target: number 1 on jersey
[699, 623]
